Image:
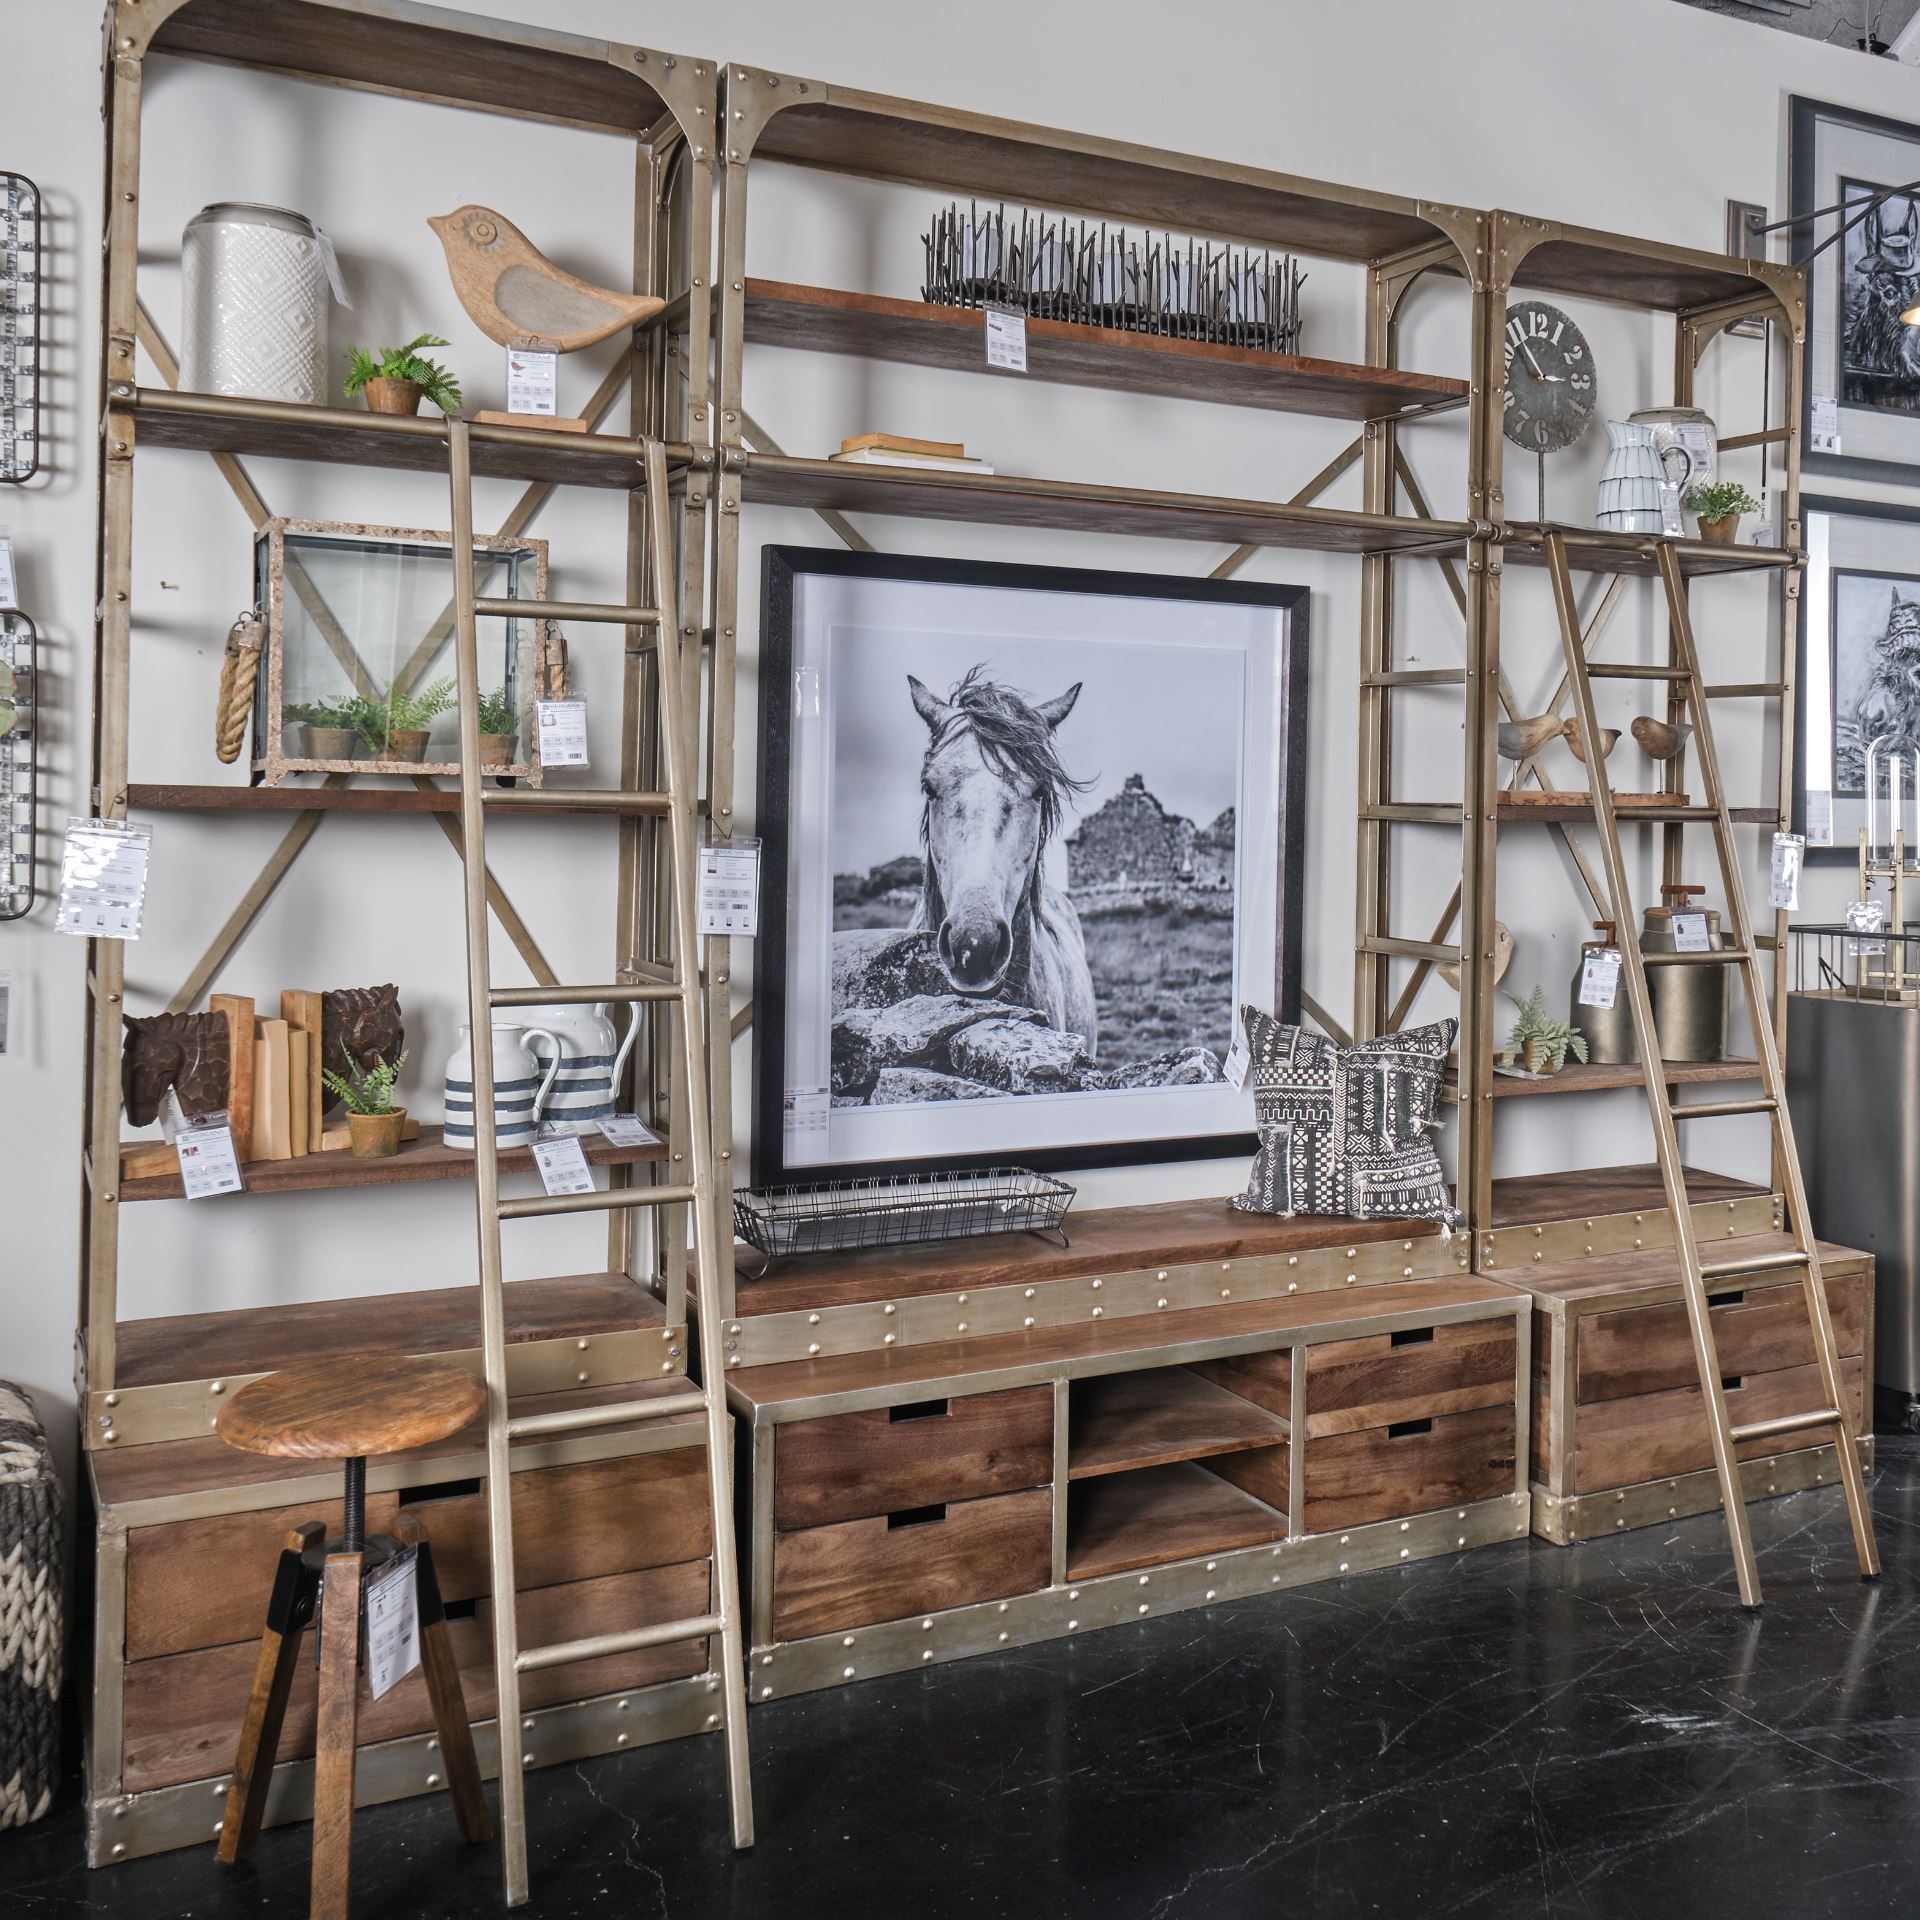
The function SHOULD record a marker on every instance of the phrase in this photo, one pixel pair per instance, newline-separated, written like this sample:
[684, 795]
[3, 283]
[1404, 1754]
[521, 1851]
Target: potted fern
[397, 727]
[373, 1119]
[1542, 1042]
[401, 378]
[499, 729]
[1720, 507]
[329, 729]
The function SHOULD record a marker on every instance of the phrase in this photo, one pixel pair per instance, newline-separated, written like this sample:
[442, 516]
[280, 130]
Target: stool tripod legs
[337, 1735]
[442, 1676]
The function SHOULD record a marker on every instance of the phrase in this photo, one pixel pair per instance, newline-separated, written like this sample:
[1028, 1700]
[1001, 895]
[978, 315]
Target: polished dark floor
[1521, 1730]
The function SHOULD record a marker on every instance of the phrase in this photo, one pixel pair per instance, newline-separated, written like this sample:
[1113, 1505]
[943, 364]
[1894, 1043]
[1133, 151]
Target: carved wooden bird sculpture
[518, 297]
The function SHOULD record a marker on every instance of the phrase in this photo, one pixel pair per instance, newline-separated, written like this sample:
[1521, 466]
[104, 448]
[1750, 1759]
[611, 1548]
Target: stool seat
[354, 1408]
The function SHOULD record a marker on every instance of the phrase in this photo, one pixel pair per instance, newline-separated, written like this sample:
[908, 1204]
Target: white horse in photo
[995, 795]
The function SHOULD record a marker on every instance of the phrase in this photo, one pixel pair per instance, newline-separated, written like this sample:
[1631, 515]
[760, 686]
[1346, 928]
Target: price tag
[563, 1165]
[1239, 1062]
[6, 1012]
[1783, 888]
[1762, 535]
[1599, 977]
[1819, 817]
[730, 888]
[9, 591]
[103, 879]
[1823, 424]
[533, 381]
[1695, 439]
[1670, 520]
[804, 1113]
[1865, 917]
[393, 1622]
[628, 1130]
[204, 1148]
[1690, 933]
[561, 727]
[1007, 339]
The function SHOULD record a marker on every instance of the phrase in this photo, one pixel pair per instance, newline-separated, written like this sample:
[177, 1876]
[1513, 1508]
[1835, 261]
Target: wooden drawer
[1420, 1373]
[853, 1466]
[204, 1583]
[183, 1712]
[1652, 1436]
[1650, 1350]
[915, 1561]
[1383, 1473]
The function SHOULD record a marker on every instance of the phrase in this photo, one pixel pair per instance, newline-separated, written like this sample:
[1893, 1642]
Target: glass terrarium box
[358, 671]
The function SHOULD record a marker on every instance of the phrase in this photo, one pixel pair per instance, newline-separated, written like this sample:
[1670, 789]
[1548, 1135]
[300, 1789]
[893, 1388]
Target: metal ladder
[1682, 674]
[682, 991]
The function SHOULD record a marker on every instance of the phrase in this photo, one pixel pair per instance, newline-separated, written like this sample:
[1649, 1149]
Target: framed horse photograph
[1030, 837]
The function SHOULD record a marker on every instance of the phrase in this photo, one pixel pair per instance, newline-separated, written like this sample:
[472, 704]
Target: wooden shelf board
[1123, 1421]
[1657, 1269]
[874, 326]
[1593, 550]
[193, 1346]
[1535, 1199]
[1576, 1078]
[422, 1159]
[1609, 266]
[1546, 807]
[1161, 1514]
[1009, 500]
[287, 798]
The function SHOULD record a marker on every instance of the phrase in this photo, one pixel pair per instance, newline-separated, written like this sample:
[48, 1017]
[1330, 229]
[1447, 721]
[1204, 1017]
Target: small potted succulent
[373, 1119]
[401, 378]
[1541, 1042]
[1720, 507]
[499, 730]
[329, 729]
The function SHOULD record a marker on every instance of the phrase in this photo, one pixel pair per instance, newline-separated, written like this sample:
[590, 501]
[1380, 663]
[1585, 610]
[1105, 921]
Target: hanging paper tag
[204, 1148]
[1670, 520]
[1695, 439]
[6, 1012]
[1823, 424]
[1865, 917]
[1239, 1062]
[628, 1130]
[1783, 889]
[1007, 339]
[1690, 933]
[393, 1622]
[1819, 817]
[103, 879]
[1762, 535]
[330, 261]
[804, 1113]
[9, 590]
[562, 732]
[533, 381]
[730, 888]
[1599, 977]
[563, 1166]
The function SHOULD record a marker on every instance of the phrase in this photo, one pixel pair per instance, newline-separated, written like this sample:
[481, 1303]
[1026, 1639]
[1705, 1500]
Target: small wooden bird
[517, 296]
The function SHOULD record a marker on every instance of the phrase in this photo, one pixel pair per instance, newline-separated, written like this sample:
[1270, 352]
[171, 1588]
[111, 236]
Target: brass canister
[1608, 1030]
[1689, 1003]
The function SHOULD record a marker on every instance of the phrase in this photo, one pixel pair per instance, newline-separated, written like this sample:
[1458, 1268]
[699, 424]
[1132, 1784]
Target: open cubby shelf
[1156, 1515]
[1123, 1421]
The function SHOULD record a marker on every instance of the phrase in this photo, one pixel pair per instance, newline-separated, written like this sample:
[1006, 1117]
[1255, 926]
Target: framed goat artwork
[1861, 356]
[1030, 836]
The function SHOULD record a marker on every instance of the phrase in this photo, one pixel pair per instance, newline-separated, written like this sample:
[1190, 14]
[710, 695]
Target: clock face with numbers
[1550, 383]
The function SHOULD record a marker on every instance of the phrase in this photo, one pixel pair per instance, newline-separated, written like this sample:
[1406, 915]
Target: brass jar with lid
[1608, 1031]
[1689, 1003]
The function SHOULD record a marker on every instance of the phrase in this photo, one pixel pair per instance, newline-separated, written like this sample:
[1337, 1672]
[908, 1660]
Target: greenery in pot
[378, 721]
[343, 713]
[367, 1091]
[497, 715]
[405, 363]
[1724, 500]
[1541, 1041]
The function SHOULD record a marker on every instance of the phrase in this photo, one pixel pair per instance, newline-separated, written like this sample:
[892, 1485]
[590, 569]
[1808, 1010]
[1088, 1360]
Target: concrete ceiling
[1841, 23]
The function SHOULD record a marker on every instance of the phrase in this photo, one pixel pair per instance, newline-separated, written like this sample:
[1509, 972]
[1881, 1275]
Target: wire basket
[840, 1215]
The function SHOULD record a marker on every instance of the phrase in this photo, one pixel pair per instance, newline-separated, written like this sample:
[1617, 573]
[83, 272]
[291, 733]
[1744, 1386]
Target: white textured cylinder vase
[255, 285]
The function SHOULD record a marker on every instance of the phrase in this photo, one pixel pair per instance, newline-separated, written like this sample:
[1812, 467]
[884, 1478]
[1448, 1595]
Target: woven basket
[32, 1612]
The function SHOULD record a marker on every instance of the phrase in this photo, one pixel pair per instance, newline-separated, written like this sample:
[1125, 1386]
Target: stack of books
[896, 450]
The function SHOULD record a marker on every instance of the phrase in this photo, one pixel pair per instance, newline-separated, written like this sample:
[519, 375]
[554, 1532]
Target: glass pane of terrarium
[364, 648]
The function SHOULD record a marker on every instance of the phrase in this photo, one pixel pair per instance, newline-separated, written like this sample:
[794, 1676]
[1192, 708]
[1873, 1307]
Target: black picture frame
[781, 568]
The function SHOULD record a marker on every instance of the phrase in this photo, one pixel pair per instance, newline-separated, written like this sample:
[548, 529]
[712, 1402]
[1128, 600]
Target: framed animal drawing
[1860, 354]
[1859, 675]
[1030, 835]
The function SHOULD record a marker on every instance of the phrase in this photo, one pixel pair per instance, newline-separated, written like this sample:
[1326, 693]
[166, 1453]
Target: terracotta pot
[406, 743]
[393, 396]
[330, 743]
[1722, 531]
[496, 749]
[376, 1136]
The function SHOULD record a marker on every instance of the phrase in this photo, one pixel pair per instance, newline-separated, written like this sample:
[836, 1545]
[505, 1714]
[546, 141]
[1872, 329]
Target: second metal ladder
[677, 680]
[1682, 675]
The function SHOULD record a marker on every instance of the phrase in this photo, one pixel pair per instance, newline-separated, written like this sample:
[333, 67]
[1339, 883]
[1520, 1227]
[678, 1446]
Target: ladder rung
[1417, 677]
[1626, 670]
[590, 610]
[1786, 1423]
[580, 996]
[1414, 813]
[601, 1645]
[1746, 690]
[1660, 816]
[574, 1419]
[601, 1200]
[577, 799]
[1410, 949]
[1754, 1263]
[1723, 1109]
[1713, 957]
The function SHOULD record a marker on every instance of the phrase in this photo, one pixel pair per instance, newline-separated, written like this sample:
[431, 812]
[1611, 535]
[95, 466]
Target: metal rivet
[766, 1693]
[1028, 1321]
[1293, 1286]
[1098, 1284]
[889, 1308]
[846, 1673]
[1161, 1275]
[113, 1399]
[891, 1338]
[926, 1653]
[1343, 1566]
[1073, 1593]
[1143, 1606]
[1030, 1293]
[1003, 1633]
[813, 1346]
[1293, 1259]
[1162, 1301]
[813, 1319]
[848, 1641]
[1071, 1624]
[960, 1299]
[961, 1326]
[1209, 1593]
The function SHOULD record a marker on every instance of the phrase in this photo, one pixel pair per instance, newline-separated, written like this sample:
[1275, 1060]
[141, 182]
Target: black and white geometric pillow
[1347, 1130]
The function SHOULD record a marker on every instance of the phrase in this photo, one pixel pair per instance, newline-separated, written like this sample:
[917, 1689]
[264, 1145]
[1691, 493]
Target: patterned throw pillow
[1347, 1130]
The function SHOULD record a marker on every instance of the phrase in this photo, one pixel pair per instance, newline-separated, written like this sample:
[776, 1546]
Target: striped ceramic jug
[592, 1057]
[521, 1083]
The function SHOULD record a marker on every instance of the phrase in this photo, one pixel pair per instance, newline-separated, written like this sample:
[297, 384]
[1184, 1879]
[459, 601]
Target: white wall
[1388, 96]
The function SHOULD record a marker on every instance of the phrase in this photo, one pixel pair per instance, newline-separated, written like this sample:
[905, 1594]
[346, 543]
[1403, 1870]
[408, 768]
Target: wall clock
[1550, 383]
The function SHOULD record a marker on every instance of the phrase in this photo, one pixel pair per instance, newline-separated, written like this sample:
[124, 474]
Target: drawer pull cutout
[441, 1490]
[919, 1410]
[917, 1517]
[1405, 1429]
[1411, 1336]
[1732, 1382]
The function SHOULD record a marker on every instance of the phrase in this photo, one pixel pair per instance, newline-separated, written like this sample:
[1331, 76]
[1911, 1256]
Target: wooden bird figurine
[1608, 737]
[517, 296]
[1522, 739]
[1657, 739]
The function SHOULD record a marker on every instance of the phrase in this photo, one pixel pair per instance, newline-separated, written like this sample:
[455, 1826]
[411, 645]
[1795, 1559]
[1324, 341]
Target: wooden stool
[345, 1410]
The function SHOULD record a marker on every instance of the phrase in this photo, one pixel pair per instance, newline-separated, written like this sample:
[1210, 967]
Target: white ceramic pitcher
[1631, 480]
[521, 1083]
[592, 1057]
